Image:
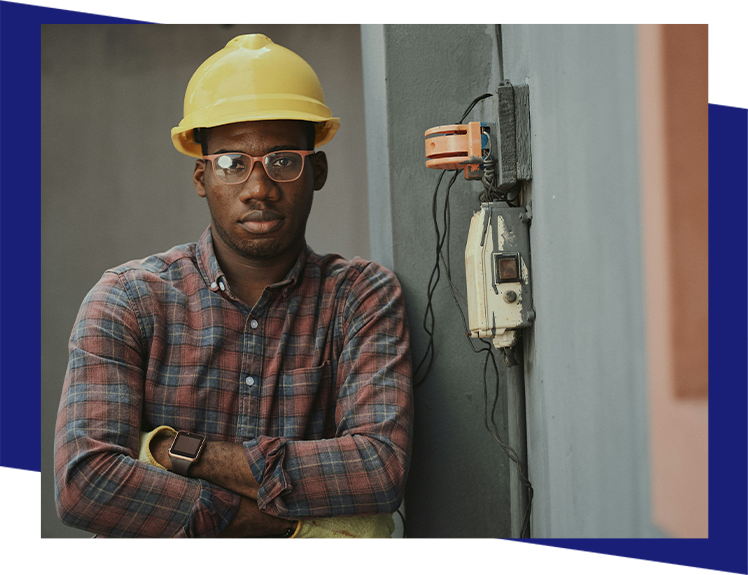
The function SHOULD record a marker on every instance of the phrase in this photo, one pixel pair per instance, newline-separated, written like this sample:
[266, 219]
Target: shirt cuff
[265, 456]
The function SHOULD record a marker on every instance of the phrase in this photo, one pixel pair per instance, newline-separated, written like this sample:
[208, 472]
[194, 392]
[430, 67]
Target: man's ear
[198, 177]
[319, 164]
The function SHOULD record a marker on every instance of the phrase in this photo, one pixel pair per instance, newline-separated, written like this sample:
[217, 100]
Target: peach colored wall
[674, 159]
[682, 67]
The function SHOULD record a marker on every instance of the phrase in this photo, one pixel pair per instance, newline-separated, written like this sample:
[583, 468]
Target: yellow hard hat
[252, 78]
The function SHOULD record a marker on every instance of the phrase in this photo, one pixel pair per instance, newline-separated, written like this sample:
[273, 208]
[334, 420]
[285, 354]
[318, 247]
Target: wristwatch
[185, 450]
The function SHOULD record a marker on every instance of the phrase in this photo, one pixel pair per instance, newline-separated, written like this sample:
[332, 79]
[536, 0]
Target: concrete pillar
[415, 78]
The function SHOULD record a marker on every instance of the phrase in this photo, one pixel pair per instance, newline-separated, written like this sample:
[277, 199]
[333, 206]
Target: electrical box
[497, 255]
[497, 266]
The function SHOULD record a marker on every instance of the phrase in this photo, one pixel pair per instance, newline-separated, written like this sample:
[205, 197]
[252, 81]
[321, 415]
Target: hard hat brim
[183, 137]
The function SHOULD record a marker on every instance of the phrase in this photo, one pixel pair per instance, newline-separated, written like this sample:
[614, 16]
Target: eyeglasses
[281, 166]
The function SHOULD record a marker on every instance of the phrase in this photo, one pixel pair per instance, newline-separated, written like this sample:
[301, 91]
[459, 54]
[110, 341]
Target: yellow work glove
[371, 526]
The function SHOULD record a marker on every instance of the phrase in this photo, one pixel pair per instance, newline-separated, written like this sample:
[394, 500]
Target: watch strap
[179, 465]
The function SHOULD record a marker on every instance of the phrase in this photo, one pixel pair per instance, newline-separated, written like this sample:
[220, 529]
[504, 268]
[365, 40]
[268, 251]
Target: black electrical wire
[510, 453]
[428, 317]
[508, 450]
[472, 105]
[489, 194]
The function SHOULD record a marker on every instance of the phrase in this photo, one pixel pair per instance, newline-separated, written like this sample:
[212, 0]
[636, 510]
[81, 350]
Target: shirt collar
[207, 262]
[213, 276]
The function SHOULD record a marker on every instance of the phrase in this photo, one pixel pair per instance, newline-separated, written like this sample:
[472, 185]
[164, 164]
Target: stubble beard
[257, 249]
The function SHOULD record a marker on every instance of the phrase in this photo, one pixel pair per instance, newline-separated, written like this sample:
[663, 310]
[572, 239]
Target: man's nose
[259, 186]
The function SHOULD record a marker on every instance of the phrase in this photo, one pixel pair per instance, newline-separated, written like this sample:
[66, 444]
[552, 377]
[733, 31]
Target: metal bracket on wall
[514, 157]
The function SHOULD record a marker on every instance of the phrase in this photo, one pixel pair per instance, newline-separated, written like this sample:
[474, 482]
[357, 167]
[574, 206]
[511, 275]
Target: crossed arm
[248, 522]
[258, 487]
[223, 463]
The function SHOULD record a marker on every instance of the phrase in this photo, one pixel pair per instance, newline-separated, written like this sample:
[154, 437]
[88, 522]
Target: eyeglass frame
[261, 159]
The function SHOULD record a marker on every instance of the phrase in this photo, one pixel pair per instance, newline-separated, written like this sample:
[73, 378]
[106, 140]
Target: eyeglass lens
[280, 166]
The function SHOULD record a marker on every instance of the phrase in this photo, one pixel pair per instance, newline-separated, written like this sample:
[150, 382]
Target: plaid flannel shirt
[314, 381]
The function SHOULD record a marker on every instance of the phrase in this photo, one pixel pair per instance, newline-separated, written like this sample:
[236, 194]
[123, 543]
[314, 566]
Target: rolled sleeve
[99, 484]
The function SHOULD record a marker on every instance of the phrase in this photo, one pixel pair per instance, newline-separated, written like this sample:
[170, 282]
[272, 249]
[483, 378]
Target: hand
[249, 521]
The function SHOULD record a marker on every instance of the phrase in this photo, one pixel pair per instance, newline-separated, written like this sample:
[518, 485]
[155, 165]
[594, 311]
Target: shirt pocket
[306, 405]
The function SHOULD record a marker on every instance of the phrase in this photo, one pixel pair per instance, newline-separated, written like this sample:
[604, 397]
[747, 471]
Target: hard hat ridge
[252, 78]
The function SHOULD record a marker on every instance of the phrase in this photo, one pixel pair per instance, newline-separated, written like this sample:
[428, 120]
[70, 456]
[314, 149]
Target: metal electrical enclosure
[497, 266]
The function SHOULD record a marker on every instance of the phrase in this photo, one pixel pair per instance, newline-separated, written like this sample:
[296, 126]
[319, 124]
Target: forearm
[221, 463]
[249, 521]
[349, 475]
[113, 495]
[224, 464]
[343, 476]
[99, 484]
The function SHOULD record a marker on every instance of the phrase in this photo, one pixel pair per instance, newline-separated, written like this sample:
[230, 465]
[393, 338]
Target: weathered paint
[496, 229]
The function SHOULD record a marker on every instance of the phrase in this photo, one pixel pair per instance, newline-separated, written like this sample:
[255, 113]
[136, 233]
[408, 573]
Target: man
[286, 373]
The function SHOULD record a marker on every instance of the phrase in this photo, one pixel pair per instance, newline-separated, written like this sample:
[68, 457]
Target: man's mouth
[261, 221]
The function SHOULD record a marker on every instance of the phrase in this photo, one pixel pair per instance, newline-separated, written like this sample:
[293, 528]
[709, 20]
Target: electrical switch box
[497, 264]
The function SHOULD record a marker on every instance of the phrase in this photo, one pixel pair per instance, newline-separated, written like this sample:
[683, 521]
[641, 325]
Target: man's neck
[249, 277]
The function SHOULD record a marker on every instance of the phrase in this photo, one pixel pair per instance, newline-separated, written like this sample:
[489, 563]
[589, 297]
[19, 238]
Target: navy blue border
[728, 335]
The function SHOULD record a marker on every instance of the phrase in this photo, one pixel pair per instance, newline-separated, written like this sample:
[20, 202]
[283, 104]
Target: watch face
[187, 444]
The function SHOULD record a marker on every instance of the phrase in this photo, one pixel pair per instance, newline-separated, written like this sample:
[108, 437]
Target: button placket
[254, 340]
[250, 377]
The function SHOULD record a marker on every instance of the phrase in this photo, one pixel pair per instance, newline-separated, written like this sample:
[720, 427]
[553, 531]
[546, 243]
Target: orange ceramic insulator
[454, 147]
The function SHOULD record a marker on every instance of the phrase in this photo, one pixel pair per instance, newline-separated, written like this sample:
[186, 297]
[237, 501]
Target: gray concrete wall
[114, 188]
[585, 383]
[584, 360]
[418, 77]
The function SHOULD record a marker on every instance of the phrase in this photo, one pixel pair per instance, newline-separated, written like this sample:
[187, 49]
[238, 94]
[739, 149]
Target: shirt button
[250, 381]
[254, 324]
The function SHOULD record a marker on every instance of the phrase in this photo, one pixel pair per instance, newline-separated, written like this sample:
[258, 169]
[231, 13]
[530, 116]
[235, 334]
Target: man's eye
[283, 161]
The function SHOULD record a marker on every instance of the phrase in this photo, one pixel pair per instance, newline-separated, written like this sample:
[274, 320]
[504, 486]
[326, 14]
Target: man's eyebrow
[270, 150]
